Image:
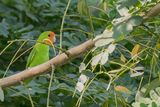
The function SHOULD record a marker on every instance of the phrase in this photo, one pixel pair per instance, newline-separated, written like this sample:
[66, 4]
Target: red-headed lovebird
[40, 51]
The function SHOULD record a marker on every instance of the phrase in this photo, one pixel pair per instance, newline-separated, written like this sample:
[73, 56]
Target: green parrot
[40, 51]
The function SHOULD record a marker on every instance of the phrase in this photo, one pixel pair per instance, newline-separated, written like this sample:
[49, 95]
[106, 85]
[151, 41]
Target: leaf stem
[62, 24]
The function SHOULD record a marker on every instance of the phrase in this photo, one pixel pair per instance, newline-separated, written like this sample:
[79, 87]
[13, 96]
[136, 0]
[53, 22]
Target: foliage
[110, 75]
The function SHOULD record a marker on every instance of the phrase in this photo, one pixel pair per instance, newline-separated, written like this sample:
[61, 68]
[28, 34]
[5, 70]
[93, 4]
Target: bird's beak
[48, 41]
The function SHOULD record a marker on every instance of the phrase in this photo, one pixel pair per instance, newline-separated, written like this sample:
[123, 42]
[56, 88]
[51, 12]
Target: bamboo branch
[152, 12]
[43, 68]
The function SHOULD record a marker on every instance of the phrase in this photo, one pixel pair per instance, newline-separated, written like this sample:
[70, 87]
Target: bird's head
[47, 37]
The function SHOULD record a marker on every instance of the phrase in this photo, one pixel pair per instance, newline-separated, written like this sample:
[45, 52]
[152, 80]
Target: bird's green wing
[31, 57]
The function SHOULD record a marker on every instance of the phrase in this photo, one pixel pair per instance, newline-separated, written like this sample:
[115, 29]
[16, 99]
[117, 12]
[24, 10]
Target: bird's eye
[48, 35]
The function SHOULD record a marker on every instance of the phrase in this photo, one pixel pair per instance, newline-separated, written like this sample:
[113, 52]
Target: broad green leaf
[121, 30]
[143, 105]
[148, 87]
[82, 7]
[127, 3]
[57, 86]
[154, 104]
[4, 28]
[135, 20]
[89, 73]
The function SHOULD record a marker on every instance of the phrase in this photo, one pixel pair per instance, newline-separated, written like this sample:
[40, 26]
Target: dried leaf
[158, 45]
[111, 48]
[96, 59]
[121, 89]
[1, 94]
[107, 33]
[103, 42]
[104, 57]
[136, 74]
[104, 39]
[123, 59]
[83, 78]
[79, 86]
[135, 50]
[139, 68]
[82, 67]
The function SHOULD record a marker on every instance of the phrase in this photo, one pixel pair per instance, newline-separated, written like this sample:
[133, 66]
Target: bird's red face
[51, 38]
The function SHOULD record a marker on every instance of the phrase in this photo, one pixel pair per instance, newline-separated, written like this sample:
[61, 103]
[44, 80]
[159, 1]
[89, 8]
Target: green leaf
[158, 90]
[143, 105]
[89, 73]
[32, 16]
[4, 28]
[135, 20]
[121, 30]
[127, 3]
[148, 87]
[82, 7]
[123, 11]
[27, 28]
[154, 104]
[1, 94]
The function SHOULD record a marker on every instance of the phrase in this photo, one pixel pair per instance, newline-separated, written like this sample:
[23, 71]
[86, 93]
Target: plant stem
[50, 84]
[62, 24]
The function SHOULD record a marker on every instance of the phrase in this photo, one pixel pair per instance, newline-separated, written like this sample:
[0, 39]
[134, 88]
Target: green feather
[40, 52]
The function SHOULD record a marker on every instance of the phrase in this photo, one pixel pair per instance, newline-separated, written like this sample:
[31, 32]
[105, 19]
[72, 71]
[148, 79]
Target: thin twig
[62, 24]
[50, 84]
